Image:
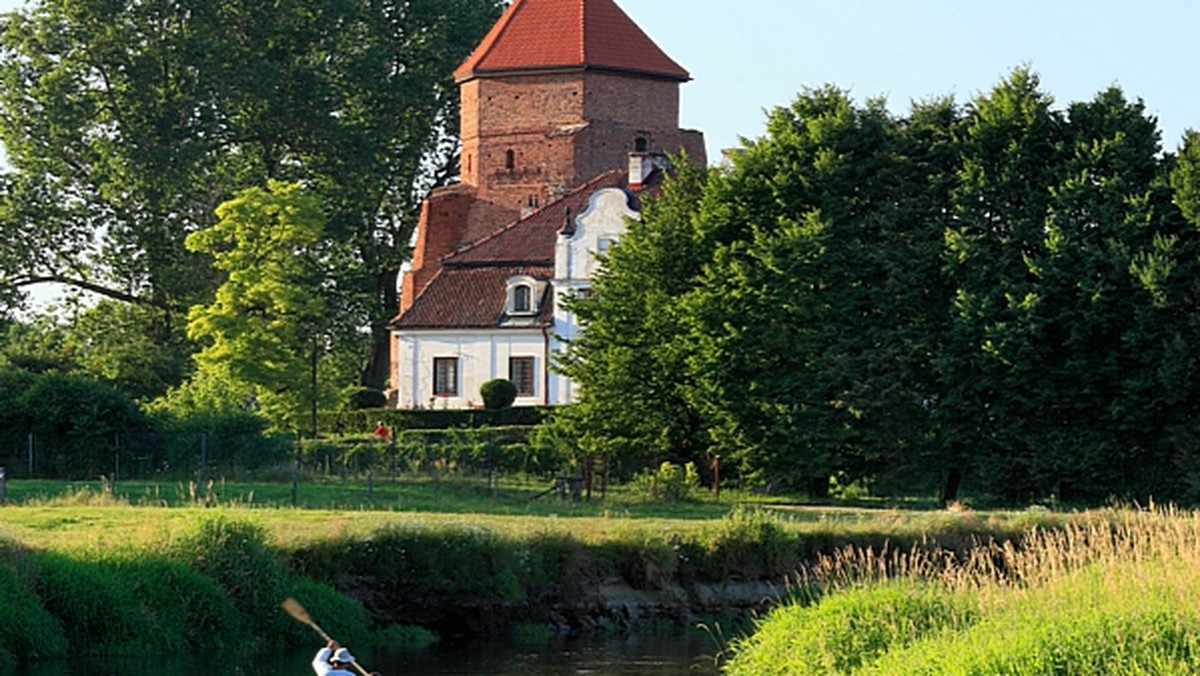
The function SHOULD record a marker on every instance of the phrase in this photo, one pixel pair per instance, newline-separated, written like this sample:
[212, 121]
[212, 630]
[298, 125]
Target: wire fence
[203, 456]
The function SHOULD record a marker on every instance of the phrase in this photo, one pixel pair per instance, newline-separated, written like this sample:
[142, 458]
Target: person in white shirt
[333, 660]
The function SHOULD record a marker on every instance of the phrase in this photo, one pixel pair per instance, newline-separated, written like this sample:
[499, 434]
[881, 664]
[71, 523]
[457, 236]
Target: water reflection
[649, 655]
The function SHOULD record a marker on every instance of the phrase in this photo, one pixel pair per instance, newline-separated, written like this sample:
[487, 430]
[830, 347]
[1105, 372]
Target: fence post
[371, 486]
[3, 486]
[31, 455]
[116, 462]
[203, 462]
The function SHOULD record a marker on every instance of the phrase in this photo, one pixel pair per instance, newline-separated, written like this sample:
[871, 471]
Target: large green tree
[126, 123]
[1000, 296]
[265, 327]
[816, 320]
[1074, 272]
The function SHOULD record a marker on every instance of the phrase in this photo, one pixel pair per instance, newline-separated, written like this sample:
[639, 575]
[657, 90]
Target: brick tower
[559, 92]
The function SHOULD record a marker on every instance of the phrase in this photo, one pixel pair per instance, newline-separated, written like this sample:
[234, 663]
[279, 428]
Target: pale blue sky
[746, 56]
[749, 55]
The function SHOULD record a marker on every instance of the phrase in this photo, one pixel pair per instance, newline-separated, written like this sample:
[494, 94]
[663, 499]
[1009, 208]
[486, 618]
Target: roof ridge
[471, 246]
[539, 35]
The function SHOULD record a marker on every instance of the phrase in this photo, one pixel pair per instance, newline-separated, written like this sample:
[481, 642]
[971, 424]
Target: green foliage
[27, 630]
[367, 398]
[79, 417]
[263, 327]
[669, 482]
[351, 422]
[334, 612]
[498, 393]
[189, 612]
[235, 554]
[366, 120]
[405, 637]
[845, 632]
[99, 614]
[747, 542]
[991, 296]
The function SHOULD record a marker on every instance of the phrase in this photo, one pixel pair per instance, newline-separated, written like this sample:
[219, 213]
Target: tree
[1067, 367]
[814, 324]
[264, 327]
[126, 124]
[633, 407]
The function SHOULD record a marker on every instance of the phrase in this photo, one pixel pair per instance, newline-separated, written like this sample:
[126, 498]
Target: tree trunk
[378, 368]
[950, 487]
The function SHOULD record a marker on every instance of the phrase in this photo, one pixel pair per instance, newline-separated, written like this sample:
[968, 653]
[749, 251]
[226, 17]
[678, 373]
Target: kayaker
[333, 660]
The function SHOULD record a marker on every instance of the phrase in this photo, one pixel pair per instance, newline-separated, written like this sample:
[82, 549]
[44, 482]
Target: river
[639, 655]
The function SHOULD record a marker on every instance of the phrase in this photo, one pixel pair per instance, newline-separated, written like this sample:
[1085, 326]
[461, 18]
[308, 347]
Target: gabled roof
[531, 240]
[473, 298]
[535, 35]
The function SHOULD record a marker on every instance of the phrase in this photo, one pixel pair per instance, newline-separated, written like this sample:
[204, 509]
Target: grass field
[71, 514]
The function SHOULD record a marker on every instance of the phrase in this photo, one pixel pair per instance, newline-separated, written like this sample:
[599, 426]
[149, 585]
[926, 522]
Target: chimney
[641, 165]
[639, 168]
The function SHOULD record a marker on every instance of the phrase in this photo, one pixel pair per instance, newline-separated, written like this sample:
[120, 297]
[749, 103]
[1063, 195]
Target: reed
[1111, 595]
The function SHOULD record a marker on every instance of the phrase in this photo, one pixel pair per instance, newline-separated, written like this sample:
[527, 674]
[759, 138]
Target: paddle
[293, 608]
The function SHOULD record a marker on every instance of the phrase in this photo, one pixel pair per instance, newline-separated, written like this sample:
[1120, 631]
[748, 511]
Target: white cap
[342, 655]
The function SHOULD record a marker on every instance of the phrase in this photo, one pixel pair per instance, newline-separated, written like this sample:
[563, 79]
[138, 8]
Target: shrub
[27, 629]
[99, 614]
[670, 482]
[236, 556]
[340, 616]
[366, 398]
[498, 393]
[751, 542]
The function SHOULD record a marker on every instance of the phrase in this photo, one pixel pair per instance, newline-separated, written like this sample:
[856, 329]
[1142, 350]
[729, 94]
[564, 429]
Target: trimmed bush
[498, 393]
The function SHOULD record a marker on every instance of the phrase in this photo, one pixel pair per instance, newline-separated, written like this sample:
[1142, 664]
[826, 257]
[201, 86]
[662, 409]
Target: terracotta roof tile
[531, 240]
[553, 34]
[472, 298]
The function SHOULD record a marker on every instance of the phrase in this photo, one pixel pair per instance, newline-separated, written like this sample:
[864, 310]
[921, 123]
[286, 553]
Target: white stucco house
[496, 308]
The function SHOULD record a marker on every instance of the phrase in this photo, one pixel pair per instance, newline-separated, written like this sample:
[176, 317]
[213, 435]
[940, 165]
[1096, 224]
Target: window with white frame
[523, 293]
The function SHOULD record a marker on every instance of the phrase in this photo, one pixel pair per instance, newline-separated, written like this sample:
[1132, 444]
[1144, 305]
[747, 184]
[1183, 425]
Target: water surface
[645, 655]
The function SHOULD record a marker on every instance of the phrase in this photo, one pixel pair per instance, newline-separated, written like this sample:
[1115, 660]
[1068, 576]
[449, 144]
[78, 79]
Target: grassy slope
[1091, 599]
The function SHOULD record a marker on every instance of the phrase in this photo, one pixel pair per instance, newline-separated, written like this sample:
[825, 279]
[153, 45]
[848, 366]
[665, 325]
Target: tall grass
[1112, 596]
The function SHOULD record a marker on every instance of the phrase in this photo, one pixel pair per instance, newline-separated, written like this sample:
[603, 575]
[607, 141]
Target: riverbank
[1107, 598]
[369, 574]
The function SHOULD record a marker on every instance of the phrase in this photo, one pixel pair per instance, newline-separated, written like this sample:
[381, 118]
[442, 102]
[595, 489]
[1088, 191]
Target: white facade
[445, 368]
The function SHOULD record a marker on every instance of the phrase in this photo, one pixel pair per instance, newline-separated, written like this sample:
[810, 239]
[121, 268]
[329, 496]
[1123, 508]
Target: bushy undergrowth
[215, 587]
[27, 629]
[1089, 599]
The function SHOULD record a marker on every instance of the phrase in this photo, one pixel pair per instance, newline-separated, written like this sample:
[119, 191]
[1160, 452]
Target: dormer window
[522, 299]
[640, 145]
[522, 296]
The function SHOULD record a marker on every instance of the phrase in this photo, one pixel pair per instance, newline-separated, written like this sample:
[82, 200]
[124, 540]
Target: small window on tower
[510, 160]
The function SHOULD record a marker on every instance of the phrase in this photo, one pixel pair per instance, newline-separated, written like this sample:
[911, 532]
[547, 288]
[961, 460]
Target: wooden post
[3, 486]
[716, 470]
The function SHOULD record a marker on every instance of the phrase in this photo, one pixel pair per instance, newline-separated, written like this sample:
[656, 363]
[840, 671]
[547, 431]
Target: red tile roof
[531, 240]
[473, 298]
[469, 291]
[554, 34]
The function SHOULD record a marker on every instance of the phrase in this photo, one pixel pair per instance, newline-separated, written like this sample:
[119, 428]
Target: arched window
[522, 299]
[510, 160]
[640, 145]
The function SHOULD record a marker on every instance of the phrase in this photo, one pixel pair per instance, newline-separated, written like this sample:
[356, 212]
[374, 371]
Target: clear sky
[747, 56]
